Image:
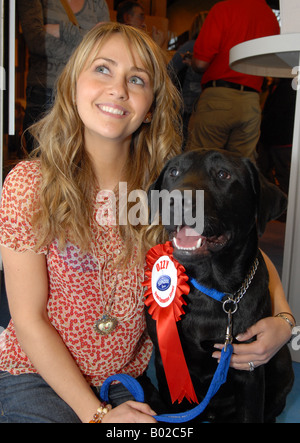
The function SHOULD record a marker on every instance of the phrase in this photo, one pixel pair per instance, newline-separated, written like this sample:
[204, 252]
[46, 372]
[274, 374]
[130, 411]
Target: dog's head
[237, 199]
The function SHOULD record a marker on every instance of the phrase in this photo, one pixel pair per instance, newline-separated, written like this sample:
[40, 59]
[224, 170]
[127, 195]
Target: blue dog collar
[213, 293]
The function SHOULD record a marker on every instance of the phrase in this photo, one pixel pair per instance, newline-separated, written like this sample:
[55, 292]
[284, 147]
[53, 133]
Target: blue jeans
[28, 398]
[38, 101]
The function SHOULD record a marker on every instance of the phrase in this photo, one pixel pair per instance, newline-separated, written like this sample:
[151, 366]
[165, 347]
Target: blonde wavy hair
[68, 182]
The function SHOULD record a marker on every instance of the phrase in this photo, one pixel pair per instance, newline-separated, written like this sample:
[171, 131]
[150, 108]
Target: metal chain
[234, 299]
[238, 295]
[242, 291]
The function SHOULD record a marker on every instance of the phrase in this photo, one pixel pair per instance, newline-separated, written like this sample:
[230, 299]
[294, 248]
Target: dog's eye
[174, 172]
[223, 175]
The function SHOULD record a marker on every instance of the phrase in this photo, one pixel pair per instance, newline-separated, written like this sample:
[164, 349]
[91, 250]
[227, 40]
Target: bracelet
[101, 412]
[291, 315]
[284, 317]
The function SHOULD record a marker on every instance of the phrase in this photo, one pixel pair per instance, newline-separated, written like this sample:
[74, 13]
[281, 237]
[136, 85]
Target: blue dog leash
[136, 390]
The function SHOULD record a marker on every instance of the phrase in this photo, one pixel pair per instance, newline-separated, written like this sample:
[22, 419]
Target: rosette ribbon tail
[175, 367]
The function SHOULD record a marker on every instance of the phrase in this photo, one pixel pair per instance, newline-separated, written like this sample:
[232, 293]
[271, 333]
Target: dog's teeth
[178, 229]
[187, 249]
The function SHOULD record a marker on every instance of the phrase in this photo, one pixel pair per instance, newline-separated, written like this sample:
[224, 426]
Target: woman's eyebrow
[135, 68]
[109, 60]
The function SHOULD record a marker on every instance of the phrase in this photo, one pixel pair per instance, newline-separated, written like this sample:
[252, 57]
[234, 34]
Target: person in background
[228, 113]
[188, 81]
[51, 38]
[130, 12]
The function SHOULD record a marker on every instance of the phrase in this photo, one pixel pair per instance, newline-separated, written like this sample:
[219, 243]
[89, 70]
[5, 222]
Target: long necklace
[109, 322]
[106, 324]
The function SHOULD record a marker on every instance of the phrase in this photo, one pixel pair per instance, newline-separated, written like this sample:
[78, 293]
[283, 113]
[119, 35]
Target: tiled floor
[291, 414]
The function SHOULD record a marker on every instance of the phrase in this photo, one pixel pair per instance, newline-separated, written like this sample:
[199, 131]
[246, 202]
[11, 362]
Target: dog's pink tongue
[187, 237]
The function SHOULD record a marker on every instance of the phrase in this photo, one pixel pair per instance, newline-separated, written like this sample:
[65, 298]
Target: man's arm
[199, 66]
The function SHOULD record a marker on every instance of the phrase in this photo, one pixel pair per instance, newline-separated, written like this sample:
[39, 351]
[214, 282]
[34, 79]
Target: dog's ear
[271, 201]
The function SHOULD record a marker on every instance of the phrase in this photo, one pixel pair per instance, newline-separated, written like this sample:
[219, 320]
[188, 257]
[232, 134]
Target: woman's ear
[148, 118]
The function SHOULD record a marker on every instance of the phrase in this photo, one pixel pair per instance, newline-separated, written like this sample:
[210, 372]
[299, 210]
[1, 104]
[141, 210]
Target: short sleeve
[208, 42]
[19, 202]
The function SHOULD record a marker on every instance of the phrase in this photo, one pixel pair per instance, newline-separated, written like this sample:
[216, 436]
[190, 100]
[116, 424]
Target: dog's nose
[184, 199]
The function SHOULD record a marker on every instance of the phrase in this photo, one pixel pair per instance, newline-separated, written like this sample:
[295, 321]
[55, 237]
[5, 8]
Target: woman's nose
[119, 89]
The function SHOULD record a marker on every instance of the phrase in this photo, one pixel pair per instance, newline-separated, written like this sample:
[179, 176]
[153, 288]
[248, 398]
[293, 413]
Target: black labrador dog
[238, 203]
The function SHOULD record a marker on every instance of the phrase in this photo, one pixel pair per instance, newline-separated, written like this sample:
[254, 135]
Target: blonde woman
[74, 284]
[73, 275]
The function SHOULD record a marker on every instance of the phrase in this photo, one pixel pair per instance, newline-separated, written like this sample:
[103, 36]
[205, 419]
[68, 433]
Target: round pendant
[106, 325]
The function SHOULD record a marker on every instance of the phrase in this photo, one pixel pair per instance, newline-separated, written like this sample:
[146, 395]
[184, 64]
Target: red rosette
[167, 312]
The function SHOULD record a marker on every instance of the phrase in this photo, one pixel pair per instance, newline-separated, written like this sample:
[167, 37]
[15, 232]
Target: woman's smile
[113, 110]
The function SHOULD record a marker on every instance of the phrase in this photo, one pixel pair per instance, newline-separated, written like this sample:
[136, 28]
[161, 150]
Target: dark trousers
[38, 101]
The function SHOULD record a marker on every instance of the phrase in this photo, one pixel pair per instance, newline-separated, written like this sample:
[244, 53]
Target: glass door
[7, 78]
[7, 108]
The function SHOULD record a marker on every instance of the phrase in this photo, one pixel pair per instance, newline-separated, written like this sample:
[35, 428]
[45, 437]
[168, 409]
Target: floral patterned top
[82, 287]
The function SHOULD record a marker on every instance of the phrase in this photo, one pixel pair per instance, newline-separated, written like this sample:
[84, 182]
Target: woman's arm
[72, 35]
[279, 301]
[27, 290]
[40, 42]
[271, 333]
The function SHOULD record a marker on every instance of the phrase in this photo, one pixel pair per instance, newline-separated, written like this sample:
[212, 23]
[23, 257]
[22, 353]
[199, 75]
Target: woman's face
[114, 92]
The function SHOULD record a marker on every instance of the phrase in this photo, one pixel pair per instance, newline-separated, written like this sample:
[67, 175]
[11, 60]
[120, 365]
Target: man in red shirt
[228, 113]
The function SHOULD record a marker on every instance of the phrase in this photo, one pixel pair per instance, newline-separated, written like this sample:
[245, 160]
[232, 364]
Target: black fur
[238, 204]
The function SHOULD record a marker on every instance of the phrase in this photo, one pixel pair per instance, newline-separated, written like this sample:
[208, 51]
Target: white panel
[290, 16]
[11, 67]
[291, 261]
[261, 57]
[2, 88]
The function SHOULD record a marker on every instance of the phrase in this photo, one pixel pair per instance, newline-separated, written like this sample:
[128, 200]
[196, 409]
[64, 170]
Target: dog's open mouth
[188, 241]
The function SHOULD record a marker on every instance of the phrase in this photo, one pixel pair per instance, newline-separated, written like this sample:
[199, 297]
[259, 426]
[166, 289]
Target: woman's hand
[130, 412]
[271, 334]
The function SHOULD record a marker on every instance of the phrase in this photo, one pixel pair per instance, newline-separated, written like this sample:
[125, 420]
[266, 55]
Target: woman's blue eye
[102, 69]
[136, 80]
